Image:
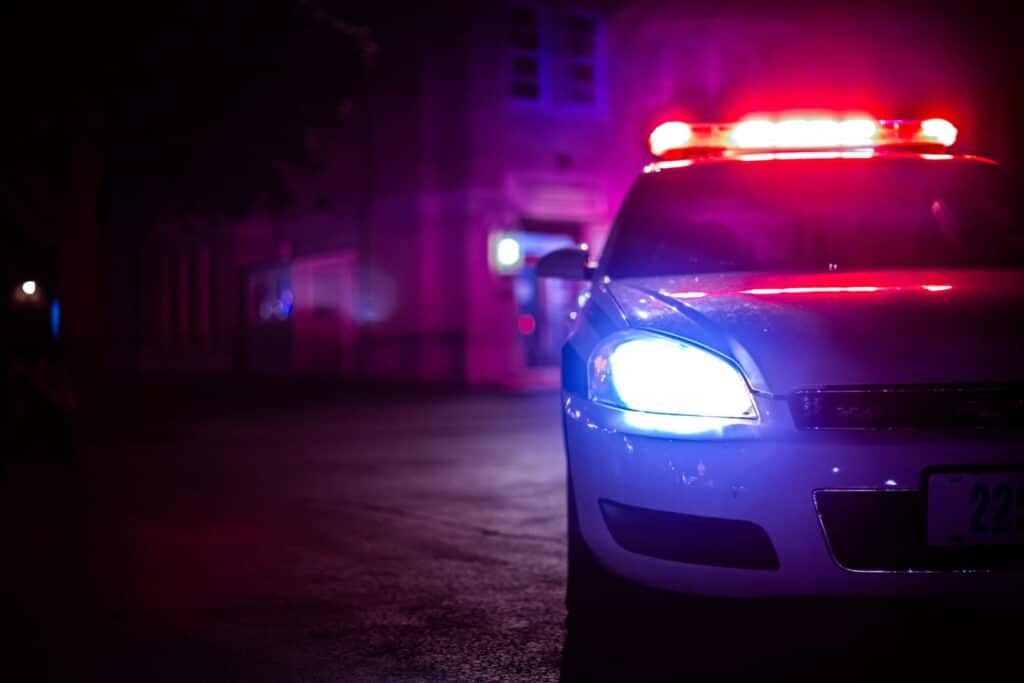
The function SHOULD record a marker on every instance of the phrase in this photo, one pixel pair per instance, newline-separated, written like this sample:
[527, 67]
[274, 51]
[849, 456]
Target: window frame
[551, 56]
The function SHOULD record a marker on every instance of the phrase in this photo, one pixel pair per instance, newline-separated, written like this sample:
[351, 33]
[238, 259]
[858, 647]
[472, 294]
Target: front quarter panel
[600, 317]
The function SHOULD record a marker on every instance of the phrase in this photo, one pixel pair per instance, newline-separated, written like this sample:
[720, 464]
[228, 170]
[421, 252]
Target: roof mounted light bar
[679, 140]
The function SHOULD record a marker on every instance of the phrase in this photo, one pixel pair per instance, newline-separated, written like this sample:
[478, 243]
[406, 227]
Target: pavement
[345, 539]
[356, 534]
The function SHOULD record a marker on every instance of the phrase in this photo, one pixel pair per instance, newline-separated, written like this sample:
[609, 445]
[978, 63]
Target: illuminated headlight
[655, 374]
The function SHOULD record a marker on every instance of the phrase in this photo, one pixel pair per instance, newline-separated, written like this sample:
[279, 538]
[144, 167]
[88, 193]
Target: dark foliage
[196, 107]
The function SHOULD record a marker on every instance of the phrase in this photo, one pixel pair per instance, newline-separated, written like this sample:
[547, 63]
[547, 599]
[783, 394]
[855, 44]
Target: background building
[485, 137]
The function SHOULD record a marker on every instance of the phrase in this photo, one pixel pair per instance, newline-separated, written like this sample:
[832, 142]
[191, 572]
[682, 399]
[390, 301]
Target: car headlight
[651, 373]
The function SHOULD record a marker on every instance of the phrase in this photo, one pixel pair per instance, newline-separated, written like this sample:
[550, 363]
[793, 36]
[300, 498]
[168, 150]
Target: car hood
[879, 327]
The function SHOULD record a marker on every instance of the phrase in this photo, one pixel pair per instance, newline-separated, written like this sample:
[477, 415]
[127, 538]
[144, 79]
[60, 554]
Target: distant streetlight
[28, 287]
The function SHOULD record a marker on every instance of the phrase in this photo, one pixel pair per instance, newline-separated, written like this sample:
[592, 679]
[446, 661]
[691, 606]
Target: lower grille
[692, 539]
[937, 406]
[887, 531]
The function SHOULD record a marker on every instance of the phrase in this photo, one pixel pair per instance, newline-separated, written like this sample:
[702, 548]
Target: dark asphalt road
[357, 540]
[369, 539]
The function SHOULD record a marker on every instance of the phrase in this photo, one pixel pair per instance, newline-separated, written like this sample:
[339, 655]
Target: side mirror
[565, 264]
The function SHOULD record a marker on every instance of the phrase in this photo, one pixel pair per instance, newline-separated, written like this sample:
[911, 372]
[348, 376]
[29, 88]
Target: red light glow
[940, 131]
[773, 156]
[824, 289]
[526, 323]
[809, 133]
[812, 290]
[669, 135]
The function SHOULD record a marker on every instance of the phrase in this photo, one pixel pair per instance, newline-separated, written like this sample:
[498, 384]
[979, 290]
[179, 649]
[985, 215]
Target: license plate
[976, 508]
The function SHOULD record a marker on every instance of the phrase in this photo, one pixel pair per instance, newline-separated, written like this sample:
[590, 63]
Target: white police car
[799, 370]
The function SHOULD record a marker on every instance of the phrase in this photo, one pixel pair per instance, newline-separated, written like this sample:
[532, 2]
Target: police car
[799, 368]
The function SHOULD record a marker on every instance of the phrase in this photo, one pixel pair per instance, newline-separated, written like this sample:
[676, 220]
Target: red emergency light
[799, 133]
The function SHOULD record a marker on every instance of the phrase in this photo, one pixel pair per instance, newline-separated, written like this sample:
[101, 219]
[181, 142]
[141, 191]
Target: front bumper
[767, 481]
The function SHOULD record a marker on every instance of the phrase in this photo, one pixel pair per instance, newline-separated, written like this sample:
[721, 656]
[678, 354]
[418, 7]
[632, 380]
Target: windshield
[845, 214]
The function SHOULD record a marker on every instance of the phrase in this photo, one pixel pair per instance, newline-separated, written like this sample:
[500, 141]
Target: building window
[555, 58]
[575, 62]
[524, 37]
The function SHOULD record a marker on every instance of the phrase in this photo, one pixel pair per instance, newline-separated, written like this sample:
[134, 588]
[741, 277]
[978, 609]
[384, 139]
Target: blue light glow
[660, 375]
[55, 318]
[676, 424]
[287, 303]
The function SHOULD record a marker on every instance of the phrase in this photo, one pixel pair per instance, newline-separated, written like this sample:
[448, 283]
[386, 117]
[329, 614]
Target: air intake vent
[932, 406]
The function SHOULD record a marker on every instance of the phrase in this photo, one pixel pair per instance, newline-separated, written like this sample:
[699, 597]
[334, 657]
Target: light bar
[677, 140]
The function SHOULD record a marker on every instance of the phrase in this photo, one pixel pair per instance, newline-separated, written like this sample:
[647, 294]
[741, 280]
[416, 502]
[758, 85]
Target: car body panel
[770, 482]
[901, 333]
